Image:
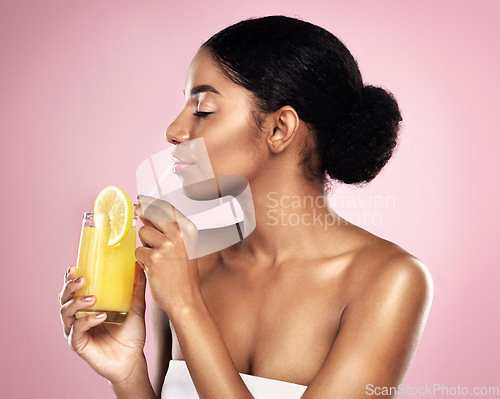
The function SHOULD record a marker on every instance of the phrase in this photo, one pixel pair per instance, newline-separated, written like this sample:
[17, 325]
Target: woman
[322, 310]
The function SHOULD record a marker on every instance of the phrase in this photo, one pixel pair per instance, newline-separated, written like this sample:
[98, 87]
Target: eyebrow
[202, 89]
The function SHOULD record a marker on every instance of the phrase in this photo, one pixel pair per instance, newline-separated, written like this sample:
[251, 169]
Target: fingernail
[87, 298]
[68, 271]
[77, 280]
[100, 315]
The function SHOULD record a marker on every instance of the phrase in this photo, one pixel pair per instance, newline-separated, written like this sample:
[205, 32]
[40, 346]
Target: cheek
[235, 158]
[234, 150]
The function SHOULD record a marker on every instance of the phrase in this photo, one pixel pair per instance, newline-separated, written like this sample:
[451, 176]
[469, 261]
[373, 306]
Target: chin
[202, 190]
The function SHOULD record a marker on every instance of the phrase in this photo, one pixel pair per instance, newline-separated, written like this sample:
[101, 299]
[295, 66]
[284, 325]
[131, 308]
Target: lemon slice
[119, 207]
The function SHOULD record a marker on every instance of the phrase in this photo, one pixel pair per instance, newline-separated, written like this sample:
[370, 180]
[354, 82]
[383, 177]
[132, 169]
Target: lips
[180, 165]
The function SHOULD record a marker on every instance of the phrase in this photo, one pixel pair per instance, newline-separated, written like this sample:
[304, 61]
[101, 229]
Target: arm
[163, 346]
[202, 345]
[379, 333]
[136, 386]
[175, 288]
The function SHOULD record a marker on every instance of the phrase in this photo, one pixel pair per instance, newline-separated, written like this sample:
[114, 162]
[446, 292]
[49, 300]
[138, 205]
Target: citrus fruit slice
[119, 207]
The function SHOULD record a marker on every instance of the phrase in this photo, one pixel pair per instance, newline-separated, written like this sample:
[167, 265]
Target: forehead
[204, 71]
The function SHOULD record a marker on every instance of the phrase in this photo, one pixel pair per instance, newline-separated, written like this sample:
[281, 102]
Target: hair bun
[363, 142]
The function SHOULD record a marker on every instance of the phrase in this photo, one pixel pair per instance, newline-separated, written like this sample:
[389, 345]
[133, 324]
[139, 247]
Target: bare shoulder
[388, 293]
[382, 270]
[407, 269]
[397, 265]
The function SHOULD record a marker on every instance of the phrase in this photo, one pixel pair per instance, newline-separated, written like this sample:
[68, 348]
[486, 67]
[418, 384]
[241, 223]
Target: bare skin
[332, 308]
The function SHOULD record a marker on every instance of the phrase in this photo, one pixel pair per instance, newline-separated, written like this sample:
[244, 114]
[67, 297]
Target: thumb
[138, 298]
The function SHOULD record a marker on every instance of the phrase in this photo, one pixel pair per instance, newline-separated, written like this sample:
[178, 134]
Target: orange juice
[109, 270]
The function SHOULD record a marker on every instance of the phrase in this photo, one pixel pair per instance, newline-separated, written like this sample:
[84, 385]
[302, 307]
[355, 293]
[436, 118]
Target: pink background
[88, 87]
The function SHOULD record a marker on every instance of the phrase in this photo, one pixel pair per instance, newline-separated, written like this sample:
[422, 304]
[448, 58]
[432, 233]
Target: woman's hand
[175, 287]
[113, 351]
[173, 277]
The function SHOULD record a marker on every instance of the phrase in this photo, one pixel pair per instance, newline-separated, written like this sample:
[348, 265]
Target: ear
[284, 128]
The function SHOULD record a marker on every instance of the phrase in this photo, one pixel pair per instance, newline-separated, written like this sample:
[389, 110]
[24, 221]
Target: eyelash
[201, 114]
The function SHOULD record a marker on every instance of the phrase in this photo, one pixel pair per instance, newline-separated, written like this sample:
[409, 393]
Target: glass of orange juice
[109, 270]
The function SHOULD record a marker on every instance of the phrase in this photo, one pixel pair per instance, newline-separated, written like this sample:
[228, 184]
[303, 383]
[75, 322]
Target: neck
[291, 218]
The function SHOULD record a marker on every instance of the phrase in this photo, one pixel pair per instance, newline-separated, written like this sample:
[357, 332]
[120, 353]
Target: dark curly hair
[286, 61]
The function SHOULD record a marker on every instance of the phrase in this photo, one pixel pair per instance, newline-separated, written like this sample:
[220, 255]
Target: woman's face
[220, 112]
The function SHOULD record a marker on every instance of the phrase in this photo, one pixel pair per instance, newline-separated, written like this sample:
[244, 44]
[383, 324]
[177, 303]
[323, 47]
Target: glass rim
[85, 214]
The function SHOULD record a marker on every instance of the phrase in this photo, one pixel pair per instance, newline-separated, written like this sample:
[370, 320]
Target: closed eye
[201, 114]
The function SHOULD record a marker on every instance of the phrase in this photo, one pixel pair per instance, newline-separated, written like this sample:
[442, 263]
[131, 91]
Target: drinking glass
[109, 270]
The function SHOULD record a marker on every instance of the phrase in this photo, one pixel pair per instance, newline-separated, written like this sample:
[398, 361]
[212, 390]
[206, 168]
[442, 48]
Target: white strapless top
[179, 385]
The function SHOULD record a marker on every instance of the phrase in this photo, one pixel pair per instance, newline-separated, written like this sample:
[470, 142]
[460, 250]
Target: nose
[176, 133]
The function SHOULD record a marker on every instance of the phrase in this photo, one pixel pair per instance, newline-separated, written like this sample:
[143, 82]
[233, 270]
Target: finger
[143, 256]
[139, 299]
[69, 309]
[70, 274]
[139, 214]
[78, 337]
[166, 218]
[70, 288]
[157, 224]
[160, 213]
[153, 210]
[170, 230]
[151, 237]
